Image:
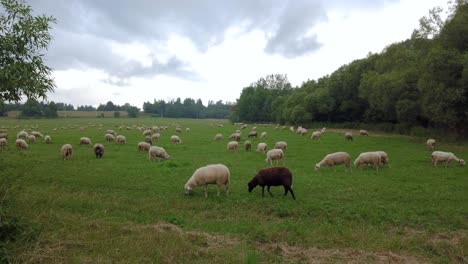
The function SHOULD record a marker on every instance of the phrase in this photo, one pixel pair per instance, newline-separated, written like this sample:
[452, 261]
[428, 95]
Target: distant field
[72, 114]
[124, 208]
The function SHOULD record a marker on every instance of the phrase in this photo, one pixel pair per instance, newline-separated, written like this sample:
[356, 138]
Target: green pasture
[124, 208]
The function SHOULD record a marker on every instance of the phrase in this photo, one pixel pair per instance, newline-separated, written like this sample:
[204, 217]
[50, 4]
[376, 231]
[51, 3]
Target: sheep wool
[211, 174]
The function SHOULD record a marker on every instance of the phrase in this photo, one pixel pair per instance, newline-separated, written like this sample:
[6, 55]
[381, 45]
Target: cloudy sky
[137, 51]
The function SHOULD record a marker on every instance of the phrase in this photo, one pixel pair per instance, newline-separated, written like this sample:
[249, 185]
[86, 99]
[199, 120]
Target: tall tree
[23, 38]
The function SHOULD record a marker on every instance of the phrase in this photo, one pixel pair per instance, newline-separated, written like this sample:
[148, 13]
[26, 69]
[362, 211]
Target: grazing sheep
[274, 154]
[363, 132]
[218, 137]
[143, 146]
[37, 134]
[4, 135]
[232, 145]
[187, 130]
[274, 176]
[324, 129]
[110, 131]
[157, 152]
[431, 143]
[262, 147]
[281, 145]
[22, 134]
[252, 133]
[237, 136]
[316, 135]
[248, 145]
[147, 132]
[348, 136]
[178, 130]
[85, 141]
[368, 158]
[3, 143]
[244, 126]
[155, 137]
[333, 159]
[109, 137]
[21, 144]
[291, 129]
[383, 158]
[445, 156]
[32, 138]
[121, 139]
[98, 150]
[175, 139]
[211, 174]
[66, 151]
[47, 139]
[254, 128]
[263, 135]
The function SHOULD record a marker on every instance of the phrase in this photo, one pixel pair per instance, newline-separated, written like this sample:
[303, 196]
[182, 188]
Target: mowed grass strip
[112, 209]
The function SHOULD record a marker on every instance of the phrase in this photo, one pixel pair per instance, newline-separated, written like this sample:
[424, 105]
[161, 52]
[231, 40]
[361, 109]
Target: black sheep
[274, 176]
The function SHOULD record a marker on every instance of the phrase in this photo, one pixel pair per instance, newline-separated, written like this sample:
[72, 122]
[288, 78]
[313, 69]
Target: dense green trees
[189, 108]
[420, 81]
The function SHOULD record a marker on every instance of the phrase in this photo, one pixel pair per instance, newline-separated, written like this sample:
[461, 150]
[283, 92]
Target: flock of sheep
[219, 174]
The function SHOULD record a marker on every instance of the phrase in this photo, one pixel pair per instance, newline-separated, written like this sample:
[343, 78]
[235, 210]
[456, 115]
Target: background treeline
[422, 81]
[188, 108]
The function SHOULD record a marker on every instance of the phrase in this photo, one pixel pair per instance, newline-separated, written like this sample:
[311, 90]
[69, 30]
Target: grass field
[124, 208]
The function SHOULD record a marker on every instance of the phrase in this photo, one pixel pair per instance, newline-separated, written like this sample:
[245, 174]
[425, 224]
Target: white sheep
[36, 134]
[143, 146]
[316, 135]
[187, 130]
[324, 129]
[155, 137]
[237, 136]
[47, 139]
[274, 154]
[120, 139]
[157, 152]
[147, 132]
[445, 156]
[110, 131]
[333, 159]
[66, 151]
[176, 139]
[85, 141]
[263, 135]
[431, 143]
[232, 145]
[368, 158]
[291, 129]
[211, 174]
[22, 134]
[32, 138]
[303, 131]
[281, 145]
[348, 136]
[109, 137]
[178, 130]
[3, 143]
[262, 147]
[383, 158]
[363, 132]
[21, 144]
[218, 137]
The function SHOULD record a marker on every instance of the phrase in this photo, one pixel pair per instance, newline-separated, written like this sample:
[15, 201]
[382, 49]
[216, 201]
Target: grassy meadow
[124, 208]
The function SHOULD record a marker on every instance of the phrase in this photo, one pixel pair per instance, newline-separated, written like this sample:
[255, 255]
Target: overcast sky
[137, 51]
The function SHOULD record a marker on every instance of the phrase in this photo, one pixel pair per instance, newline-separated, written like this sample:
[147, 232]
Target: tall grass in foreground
[124, 208]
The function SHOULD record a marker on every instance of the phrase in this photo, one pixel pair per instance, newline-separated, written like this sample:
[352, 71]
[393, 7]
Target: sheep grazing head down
[252, 184]
[187, 190]
[462, 162]
[317, 167]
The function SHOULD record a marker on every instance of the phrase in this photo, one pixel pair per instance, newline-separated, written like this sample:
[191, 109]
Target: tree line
[421, 81]
[188, 108]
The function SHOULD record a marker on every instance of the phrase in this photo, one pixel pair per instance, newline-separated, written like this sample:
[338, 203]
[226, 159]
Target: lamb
[120, 139]
[281, 145]
[21, 144]
[85, 141]
[248, 145]
[36, 134]
[316, 135]
[445, 156]
[66, 151]
[109, 137]
[431, 143]
[363, 132]
[348, 136]
[143, 146]
[263, 135]
[262, 147]
[157, 152]
[218, 137]
[155, 137]
[232, 145]
[211, 174]
[3, 143]
[274, 154]
[47, 139]
[98, 150]
[274, 176]
[32, 138]
[22, 134]
[176, 139]
[368, 158]
[333, 159]
[252, 133]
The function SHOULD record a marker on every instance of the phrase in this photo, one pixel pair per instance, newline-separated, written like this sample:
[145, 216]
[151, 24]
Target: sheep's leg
[226, 187]
[292, 193]
[268, 189]
[447, 162]
[206, 190]
[285, 190]
[263, 191]
[219, 189]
